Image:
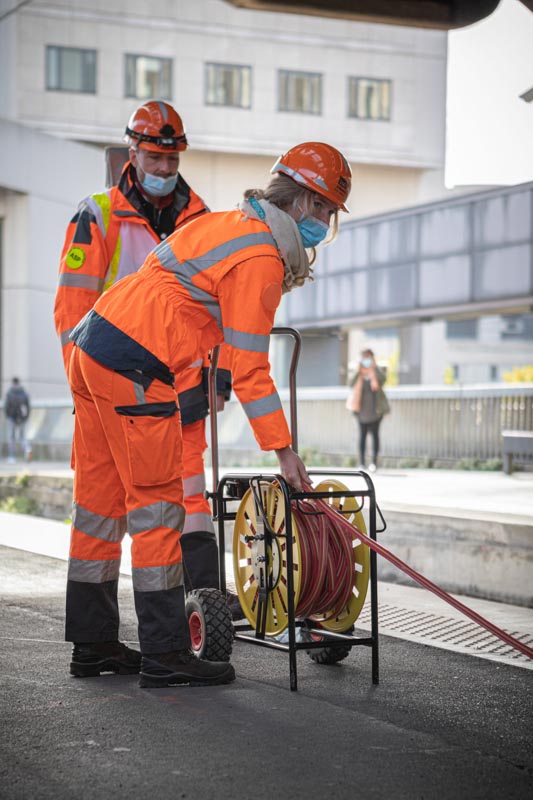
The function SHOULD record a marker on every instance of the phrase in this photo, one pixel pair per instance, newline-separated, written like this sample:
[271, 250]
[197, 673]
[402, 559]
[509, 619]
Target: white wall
[42, 179]
[221, 178]
[211, 30]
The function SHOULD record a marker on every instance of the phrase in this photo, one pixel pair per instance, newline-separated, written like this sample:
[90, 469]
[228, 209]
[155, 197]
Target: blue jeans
[16, 437]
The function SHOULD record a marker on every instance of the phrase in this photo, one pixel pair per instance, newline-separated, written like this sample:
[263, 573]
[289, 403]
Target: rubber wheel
[210, 624]
[328, 654]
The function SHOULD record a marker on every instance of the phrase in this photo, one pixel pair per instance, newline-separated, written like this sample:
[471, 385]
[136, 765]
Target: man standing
[17, 411]
[109, 237]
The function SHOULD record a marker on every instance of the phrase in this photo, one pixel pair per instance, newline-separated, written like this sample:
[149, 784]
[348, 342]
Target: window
[369, 98]
[148, 77]
[70, 69]
[228, 85]
[519, 326]
[461, 329]
[300, 92]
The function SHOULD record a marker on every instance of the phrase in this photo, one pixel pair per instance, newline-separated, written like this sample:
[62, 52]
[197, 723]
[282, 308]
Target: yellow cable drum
[255, 561]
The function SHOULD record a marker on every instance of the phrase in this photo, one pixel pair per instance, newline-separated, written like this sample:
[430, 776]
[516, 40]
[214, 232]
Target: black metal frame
[224, 493]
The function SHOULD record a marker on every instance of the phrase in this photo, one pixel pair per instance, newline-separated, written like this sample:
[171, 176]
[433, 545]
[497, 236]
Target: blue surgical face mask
[313, 231]
[157, 186]
[366, 362]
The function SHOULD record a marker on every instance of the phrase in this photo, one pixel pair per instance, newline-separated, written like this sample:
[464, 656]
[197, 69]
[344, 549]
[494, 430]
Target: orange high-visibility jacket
[107, 239]
[217, 279]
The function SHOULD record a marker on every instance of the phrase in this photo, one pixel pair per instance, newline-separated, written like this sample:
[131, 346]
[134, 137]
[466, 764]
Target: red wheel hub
[196, 630]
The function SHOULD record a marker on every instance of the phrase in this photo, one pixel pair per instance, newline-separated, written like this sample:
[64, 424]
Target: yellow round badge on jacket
[75, 258]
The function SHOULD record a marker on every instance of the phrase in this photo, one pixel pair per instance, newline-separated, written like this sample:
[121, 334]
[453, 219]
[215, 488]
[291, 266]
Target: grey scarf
[287, 238]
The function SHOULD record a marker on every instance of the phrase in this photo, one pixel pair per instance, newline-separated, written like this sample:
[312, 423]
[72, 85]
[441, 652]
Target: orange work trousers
[127, 451]
[198, 542]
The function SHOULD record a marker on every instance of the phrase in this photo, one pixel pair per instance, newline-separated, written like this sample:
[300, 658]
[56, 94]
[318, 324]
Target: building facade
[248, 86]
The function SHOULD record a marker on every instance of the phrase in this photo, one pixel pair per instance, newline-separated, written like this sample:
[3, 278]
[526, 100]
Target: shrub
[20, 505]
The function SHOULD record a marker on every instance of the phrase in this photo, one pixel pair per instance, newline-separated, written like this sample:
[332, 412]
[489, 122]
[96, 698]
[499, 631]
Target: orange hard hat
[156, 126]
[319, 167]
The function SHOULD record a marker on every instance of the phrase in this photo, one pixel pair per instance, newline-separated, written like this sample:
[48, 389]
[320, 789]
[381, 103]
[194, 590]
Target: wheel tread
[212, 605]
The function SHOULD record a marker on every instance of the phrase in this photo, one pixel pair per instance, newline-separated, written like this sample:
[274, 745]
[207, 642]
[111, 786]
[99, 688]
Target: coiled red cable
[326, 559]
[327, 571]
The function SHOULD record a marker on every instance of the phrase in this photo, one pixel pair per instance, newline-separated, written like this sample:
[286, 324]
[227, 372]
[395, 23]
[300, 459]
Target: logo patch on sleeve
[271, 296]
[75, 258]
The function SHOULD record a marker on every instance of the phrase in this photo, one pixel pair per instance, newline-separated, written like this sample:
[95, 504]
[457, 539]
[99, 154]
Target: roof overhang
[437, 14]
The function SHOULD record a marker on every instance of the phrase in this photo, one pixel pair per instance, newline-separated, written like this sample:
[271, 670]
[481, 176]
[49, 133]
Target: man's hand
[293, 469]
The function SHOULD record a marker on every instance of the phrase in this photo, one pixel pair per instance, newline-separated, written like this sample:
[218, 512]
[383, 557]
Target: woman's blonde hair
[286, 194]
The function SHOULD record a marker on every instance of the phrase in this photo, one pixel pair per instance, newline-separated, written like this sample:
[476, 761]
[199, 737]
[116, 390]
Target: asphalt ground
[440, 724]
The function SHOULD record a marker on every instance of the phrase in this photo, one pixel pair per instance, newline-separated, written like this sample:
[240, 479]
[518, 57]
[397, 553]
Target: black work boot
[89, 659]
[181, 666]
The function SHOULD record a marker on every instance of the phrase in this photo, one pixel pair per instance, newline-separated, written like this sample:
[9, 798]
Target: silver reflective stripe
[211, 305]
[186, 270]
[184, 273]
[157, 579]
[111, 529]
[139, 393]
[196, 364]
[246, 341]
[64, 337]
[126, 214]
[93, 571]
[96, 209]
[198, 522]
[81, 281]
[194, 485]
[166, 256]
[192, 267]
[156, 515]
[259, 408]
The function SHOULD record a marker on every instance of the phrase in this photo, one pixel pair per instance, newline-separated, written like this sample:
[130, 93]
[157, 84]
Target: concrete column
[410, 369]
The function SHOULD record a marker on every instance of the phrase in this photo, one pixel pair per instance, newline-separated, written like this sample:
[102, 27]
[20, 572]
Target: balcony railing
[432, 424]
[426, 424]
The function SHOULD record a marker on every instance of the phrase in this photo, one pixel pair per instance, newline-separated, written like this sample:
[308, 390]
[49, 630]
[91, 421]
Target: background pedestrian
[17, 411]
[369, 404]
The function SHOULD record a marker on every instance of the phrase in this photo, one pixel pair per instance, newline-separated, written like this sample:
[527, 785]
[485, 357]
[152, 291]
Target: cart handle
[212, 396]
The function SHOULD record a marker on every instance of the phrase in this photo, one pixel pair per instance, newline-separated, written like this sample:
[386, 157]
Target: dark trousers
[373, 429]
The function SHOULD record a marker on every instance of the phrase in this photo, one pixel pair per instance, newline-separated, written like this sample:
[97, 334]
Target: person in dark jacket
[17, 411]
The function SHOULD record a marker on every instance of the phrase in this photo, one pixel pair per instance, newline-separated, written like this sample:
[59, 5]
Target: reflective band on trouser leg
[199, 516]
[98, 526]
[199, 544]
[157, 571]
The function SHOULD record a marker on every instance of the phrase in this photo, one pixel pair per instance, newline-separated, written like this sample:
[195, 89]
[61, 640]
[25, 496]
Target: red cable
[326, 562]
[338, 521]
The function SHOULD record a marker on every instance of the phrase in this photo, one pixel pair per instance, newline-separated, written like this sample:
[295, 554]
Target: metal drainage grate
[448, 632]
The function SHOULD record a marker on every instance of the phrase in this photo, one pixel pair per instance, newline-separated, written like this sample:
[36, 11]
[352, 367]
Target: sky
[489, 128]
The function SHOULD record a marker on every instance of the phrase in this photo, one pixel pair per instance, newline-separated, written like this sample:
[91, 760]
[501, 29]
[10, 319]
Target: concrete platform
[405, 612]
[450, 718]
[439, 724]
[470, 532]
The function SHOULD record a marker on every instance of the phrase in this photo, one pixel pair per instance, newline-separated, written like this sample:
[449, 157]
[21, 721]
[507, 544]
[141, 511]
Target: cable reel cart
[300, 570]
